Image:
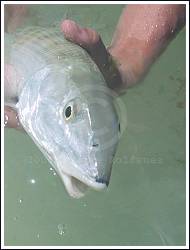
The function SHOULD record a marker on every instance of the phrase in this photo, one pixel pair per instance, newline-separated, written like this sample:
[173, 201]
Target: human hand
[14, 16]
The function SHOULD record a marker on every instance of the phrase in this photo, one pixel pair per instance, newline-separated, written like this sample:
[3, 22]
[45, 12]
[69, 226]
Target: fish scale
[48, 43]
[36, 47]
[53, 75]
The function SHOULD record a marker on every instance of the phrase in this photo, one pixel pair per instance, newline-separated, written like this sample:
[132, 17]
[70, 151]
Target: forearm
[142, 34]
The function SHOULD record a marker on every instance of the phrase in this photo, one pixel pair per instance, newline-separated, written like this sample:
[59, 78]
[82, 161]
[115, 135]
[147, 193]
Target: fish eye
[68, 112]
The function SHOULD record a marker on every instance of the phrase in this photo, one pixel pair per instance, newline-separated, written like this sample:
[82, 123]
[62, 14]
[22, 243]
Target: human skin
[14, 16]
[142, 34]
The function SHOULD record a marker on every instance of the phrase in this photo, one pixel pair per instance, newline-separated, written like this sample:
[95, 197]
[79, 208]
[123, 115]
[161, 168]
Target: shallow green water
[145, 202]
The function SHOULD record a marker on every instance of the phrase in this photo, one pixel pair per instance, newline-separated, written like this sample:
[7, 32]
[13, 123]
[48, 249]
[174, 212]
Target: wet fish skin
[66, 107]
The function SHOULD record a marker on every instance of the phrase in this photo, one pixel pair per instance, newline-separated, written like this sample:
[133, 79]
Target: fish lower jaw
[77, 188]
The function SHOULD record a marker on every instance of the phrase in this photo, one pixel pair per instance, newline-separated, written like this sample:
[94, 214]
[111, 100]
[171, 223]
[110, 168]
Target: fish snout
[103, 166]
[100, 159]
[103, 180]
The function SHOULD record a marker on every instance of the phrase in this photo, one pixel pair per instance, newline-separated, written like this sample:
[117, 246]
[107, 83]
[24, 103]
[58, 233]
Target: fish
[65, 106]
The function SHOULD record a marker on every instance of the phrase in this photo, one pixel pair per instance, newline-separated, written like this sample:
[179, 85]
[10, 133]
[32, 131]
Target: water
[145, 201]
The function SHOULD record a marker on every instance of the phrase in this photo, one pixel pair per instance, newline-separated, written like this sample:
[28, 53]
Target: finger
[92, 43]
[83, 36]
[11, 119]
[86, 38]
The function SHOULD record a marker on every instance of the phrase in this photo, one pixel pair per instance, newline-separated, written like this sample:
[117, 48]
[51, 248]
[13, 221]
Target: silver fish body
[65, 106]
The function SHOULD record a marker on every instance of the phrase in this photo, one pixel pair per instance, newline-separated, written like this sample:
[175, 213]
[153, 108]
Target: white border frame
[187, 125]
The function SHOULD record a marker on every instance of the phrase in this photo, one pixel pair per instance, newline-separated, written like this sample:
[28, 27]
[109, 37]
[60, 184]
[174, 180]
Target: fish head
[90, 133]
[70, 115]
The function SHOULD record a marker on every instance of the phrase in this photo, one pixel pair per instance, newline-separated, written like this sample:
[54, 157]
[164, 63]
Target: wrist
[131, 61]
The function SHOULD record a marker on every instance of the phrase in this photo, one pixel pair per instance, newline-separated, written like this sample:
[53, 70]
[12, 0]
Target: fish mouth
[77, 180]
[77, 185]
